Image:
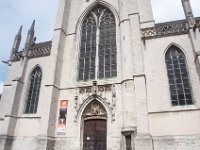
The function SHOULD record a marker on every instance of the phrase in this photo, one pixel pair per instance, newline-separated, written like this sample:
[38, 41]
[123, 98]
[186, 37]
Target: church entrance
[94, 136]
[94, 127]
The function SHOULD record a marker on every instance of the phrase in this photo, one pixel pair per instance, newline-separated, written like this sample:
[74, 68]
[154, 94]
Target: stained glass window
[98, 45]
[33, 91]
[179, 83]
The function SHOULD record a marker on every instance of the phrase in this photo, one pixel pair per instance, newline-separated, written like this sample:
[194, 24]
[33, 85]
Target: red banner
[62, 116]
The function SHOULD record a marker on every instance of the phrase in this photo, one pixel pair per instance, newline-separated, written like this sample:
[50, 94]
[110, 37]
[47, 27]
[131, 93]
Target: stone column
[146, 13]
[55, 65]
[128, 107]
[13, 93]
[194, 33]
[9, 112]
[126, 50]
[143, 140]
[142, 19]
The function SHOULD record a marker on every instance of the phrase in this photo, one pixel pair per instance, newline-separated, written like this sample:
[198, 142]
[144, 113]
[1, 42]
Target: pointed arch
[173, 44]
[91, 7]
[81, 120]
[33, 90]
[179, 82]
[97, 58]
[94, 110]
[94, 122]
[87, 102]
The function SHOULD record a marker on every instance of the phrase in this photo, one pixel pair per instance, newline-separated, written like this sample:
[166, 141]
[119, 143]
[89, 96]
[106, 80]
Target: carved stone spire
[30, 37]
[16, 43]
[188, 13]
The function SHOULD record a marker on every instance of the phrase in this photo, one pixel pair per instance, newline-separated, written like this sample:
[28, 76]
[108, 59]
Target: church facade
[111, 79]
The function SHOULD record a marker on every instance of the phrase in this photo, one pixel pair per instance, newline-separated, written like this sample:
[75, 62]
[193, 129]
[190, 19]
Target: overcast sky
[15, 13]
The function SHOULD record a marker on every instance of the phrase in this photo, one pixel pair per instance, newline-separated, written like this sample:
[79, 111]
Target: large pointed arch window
[33, 91]
[98, 45]
[179, 83]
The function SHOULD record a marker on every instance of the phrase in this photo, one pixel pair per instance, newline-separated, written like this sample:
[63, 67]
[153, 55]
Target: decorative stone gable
[96, 93]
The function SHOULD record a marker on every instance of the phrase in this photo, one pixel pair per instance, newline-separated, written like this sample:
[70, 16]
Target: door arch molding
[80, 120]
[88, 101]
[94, 126]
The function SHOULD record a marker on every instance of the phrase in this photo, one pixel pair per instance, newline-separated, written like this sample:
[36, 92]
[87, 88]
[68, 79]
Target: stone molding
[36, 50]
[168, 29]
[165, 29]
[94, 93]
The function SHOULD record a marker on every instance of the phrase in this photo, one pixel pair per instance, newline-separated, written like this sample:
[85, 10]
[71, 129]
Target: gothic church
[111, 79]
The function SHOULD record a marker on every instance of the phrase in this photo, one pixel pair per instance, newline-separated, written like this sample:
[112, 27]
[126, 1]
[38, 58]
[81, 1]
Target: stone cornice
[168, 29]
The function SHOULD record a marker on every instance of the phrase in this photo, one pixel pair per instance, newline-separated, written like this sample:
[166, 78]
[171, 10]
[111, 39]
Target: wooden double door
[94, 135]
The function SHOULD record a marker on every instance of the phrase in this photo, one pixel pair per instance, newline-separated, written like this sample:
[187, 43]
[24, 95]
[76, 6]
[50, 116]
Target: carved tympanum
[95, 108]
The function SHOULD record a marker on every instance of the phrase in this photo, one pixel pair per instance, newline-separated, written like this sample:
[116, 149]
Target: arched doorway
[95, 127]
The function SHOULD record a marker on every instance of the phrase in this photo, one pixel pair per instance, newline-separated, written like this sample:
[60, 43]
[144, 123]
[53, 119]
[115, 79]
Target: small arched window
[33, 91]
[97, 57]
[179, 83]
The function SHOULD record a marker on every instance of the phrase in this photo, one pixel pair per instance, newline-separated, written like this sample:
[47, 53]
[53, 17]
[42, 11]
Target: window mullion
[183, 88]
[85, 53]
[104, 60]
[174, 77]
[35, 90]
[110, 51]
[97, 52]
[31, 100]
[90, 51]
